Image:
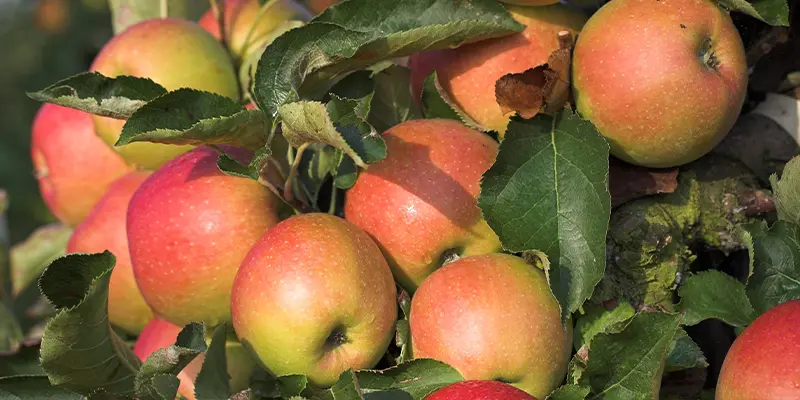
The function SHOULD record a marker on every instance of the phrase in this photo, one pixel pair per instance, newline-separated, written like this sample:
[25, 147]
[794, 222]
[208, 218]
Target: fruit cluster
[317, 294]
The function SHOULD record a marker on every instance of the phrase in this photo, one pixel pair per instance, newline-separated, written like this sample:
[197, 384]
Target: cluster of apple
[316, 294]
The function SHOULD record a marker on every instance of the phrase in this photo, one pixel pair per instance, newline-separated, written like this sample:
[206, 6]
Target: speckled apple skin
[468, 73]
[479, 390]
[638, 76]
[764, 361]
[307, 277]
[73, 167]
[104, 229]
[175, 54]
[189, 228]
[492, 317]
[422, 198]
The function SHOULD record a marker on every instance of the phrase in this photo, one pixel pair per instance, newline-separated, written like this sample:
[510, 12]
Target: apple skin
[159, 334]
[318, 6]
[175, 54]
[243, 15]
[316, 297]
[479, 390]
[420, 202]
[640, 77]
[530, 2]
[763, 364]
[104, 229]
[468, 73]
[189, 228]
[73, 167]
[492, 317]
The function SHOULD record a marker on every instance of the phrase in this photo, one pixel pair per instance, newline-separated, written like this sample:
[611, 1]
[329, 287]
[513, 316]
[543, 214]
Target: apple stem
[164, 9]
[332, 207]
[288, 193]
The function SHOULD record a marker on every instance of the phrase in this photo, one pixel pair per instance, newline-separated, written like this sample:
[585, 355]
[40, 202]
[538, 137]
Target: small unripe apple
[492, 317]
[469, 73]
[315, 297]
[189, 228]
[764, 361]
[104, 229]
[73, 166]
[175, 54]
[663, 81]
[479, 390]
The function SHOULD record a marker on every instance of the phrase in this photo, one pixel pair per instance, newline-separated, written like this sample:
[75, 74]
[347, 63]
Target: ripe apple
[763, 363]
[104, 229]
[492, 317]
[247, 28]
[479, 390]
[189, 227]
[175, 54]
[159, 334]
[468, 73]
[420, 203]
[73, 167]
[315, 296]
[663, 81]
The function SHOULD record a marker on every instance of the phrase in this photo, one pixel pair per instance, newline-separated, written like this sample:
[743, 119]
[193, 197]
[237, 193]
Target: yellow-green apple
[763, 362]
[479, 390]
[419, 203]
[189, 228]
[159, 334]
[315, 297]
[73, 167]
[663, 81]
[175, 54]
[492, 317]
[468, 73]
[104, 229]
[248, 28]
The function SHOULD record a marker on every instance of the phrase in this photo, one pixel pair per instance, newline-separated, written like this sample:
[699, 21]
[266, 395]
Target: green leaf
[301, 63]
[714, 294]
[569, 392]
[773, 12]
[212, 381]
[437, 104]
[6, 284]
[787, 192]
[403, 328]
[684, 353]
[31, 257]
[392, 103]
[130, 12]
[25, 361]
[629, 364]
[28, 387]
[11, 334]
[193, 117]
[744, 237]
[346, 173]
[417, 378]
[548, 191]
[598, 319]
[94, 93]
[270, 387]
[776, 274]
[157, 378]
[79, 351]
[318, 163]
[346, 388]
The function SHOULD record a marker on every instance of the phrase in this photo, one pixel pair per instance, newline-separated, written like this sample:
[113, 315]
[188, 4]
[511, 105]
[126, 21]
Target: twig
[298, 157]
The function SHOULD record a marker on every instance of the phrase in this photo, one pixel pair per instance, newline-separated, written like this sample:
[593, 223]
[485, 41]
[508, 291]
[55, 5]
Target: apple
[479, 390]
[318, 6]
[468, 73]
[763, 363]
[104, 229]
[248, 28]
[420, 202]
[663, 81]
[189, 228]
[159, 334]
[175, 54]
[315, 297]
[73, 166]
[492, 317]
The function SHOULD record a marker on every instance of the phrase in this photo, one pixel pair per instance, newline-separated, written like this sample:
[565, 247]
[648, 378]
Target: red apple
[104, 229]
[175, 54]
[318, 6]
[73, 166]
[420, 202]
[663, 81]
[468, 73]
[189, 227]
[479, 390]
[492, 317]
[315, 296]
[764, 361]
